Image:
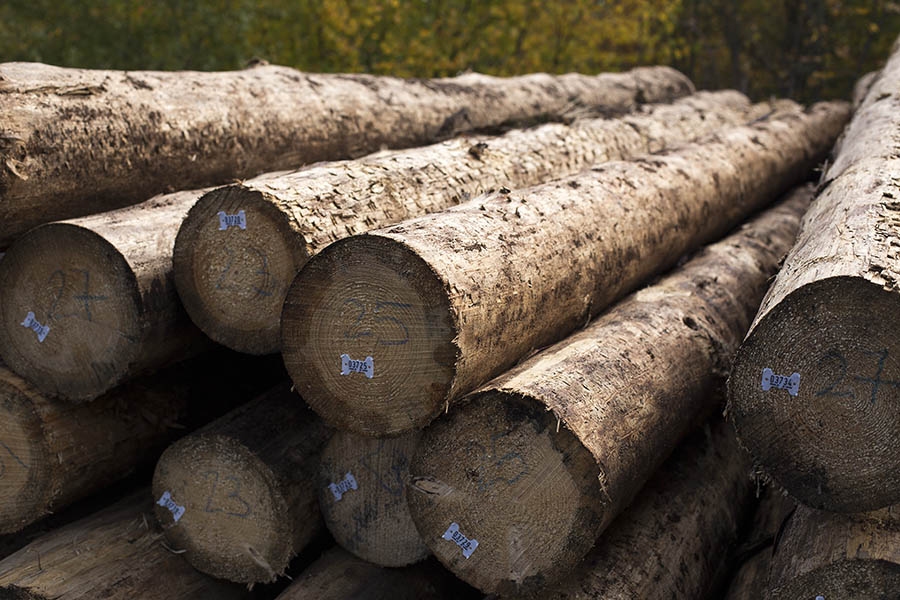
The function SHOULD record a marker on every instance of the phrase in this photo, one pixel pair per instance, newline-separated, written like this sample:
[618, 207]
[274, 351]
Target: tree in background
[805, 49]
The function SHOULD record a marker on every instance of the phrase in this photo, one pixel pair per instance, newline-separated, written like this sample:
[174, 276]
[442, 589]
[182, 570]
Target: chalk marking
[31, 323]
[468, 545]
[226, 220]
[366, 367]
[167, 502]
[782, 382]
[342, 487]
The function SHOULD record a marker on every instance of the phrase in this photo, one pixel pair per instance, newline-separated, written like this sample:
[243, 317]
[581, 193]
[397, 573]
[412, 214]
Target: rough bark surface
[542, 459]
[669, 543]
[237, 496]
[362, 495]
[339, 575]
[115, 555]
[103, 287]
[76, 142]
[444, 302]
[53, 453]
[753, 556]
[833, 441]
[837, 556]
[233, 281]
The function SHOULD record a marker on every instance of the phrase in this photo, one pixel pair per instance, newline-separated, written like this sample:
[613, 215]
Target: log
[88, 303]
[339, 575]
[362, 495]
[831, 556]
[862, 87]
[233, 278]
[236, 497]
[76, 142]
[53, 453]
[670, 542]
[537, 463]
[754, 556]
[114, 554]
[444, 302]
[815, 390]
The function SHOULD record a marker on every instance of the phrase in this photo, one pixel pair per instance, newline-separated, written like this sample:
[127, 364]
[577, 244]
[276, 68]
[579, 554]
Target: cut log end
[220, 503]
[369, 320]
[235, 256]
[71, 311]
[25, 486]
[498, 473]
[815, 395]
[362, 493]
[859, 579]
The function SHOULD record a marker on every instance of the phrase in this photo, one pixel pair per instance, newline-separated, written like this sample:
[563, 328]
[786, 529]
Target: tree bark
[53, 453]
[832, 440]
[237, 496]
[754, 556]
[443, 303]
[362, 494]
[670, 542]
[88, 303]
[114, 554]
[233, 281]
[539, 462]
[831, 555]
[862, 87]
[75, 142]
[339, 575]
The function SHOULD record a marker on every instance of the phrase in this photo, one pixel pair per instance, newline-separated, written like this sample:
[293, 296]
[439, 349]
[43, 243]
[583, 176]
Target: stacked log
[753, 557]
[53, 453]
[75, 142]
[815, 390]
[538, 463]
[380, 332]
[669, 544]
[88, 303]
[237, 498]
[362, 494]
[339, 575]
[830, 555]
[114, 554]
[233, 277]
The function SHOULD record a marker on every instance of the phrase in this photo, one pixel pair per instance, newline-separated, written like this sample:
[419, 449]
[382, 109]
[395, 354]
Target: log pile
[506, 307]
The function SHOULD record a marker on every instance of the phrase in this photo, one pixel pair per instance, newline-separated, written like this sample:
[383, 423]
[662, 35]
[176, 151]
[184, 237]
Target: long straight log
[237, 497]
[339, 575]
[114, 554]
[233, 278]
[381, 331]
[86, 304]
[832, 556]
[362, 494]
[76, 142]
[753, 556]
[669, 544]
[539, 462]
[815, 390]
[53, 453]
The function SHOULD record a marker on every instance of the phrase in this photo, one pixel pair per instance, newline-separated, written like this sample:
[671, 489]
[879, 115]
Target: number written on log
[233, 497]
[6, 450]
[836, 387]
[82, 301]
[393, 484]
[384, 313]
[264, 283]
[492, 469]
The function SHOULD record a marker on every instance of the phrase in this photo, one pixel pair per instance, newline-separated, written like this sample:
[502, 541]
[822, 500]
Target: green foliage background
[805, 49]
